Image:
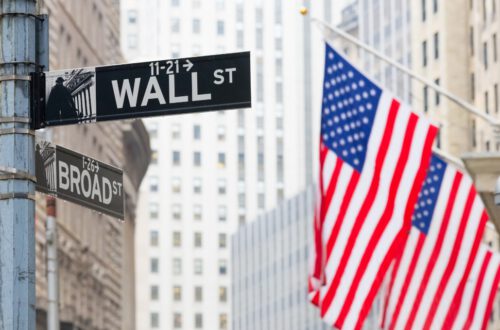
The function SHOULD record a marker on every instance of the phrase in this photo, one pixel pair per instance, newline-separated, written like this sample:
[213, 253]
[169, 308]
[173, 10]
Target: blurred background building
[213, 172]
[96, 252]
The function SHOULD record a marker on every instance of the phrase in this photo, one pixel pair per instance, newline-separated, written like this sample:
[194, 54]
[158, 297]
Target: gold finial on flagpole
[304, 11]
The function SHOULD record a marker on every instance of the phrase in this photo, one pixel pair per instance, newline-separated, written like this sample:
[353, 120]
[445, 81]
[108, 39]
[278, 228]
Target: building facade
[95, 252]
[270, 268]
[212, 172]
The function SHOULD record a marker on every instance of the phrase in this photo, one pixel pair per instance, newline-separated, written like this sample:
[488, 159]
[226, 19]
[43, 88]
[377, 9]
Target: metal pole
[328, 32]
[52, 266]
[17, 187]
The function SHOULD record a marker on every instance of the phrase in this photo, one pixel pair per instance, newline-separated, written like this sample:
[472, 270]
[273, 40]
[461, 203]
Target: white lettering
[219, 77]
[171, 91]
[231, 70]
[117, 188]
[75, 178]
[196, 96]
[150, 95]
[96, 190]
[86, 184]
[63, 175]
[106, 191]
[126, 91]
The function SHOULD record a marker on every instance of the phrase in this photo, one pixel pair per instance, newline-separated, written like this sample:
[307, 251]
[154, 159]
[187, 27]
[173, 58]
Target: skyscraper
[213, 171]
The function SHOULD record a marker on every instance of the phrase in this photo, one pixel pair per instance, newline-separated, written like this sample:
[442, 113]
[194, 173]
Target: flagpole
[328, 32]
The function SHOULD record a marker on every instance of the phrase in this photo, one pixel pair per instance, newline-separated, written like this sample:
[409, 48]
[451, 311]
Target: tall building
[270, 268]
[96, 252]
[386, 26]
[214, 171]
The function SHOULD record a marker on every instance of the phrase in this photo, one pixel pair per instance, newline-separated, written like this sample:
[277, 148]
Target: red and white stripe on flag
[373, 157]
[431, 272]
[476, 304]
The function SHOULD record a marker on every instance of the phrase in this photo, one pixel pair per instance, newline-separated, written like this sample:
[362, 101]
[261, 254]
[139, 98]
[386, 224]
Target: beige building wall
[96, 258]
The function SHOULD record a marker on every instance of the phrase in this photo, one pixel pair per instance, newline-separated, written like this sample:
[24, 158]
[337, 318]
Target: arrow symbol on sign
[188, 65]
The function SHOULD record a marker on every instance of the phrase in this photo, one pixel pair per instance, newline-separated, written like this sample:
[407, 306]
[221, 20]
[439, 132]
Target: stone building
[95, 252]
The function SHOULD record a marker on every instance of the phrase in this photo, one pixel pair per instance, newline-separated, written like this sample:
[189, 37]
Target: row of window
[177, 293]
[176, 159]
[435, 52]
[177, 321]
[175, 26]
[154, 265]
[154, 240]
[424, 8]
[154, 212]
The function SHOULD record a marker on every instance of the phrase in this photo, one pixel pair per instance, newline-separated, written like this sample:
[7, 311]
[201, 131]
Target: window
[219, 4]
[221, 133]
[221, 160]
[473, 126]
[132, 41]
[197, 185]
[239, 38]
[222, 241]
[221, 184]
[222, 267]
[175, 3]
[278, 43]
[153, 130]
[176, 158]
[154, 292]
[495, 51]
[436, 45]
[153, 210]
[261, 201]
[176, 212]
[198, 266]
[153, 238]
[198, 240]
[222, 213]
[222, 294]
[486, 102]
[132, 16]
[176, 239]
[197, 214]
[223, 321]
[154, 156]
[259, 38]
[485, 13]
[239, 12]
[241, 200]
[435, 5]
[279, 92]
[485, 55]
[426, 98]
[198, 293]
[495, 91]
[437, 93]
[471, 40]
[177, 293]
[175, 25]
[176, 185]
[197, 158]
[424, 53]
[220, 28]
[472, 86]
[198, 321]
[196, 3]
[279, 66]
[241, 219]
[196, 25]
[196, 132]
[177, 266]
[176, 131]
[177, 320]
[153, 265]
[423, 11]
[155, 320]
[153, 183]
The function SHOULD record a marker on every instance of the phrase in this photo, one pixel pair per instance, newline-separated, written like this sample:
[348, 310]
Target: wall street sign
[79, 179]
[145, 89]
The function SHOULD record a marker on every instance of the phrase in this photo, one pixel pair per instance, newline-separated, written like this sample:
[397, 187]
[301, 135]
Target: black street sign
[145, 89]
[79, 179]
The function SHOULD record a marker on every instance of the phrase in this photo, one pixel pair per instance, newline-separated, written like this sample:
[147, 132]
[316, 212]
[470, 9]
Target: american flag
[373, 155]
[432, 270]
[479, 294]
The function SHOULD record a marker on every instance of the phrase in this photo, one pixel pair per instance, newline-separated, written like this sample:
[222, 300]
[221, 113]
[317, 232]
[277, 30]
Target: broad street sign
[79, 179]
[143, 89]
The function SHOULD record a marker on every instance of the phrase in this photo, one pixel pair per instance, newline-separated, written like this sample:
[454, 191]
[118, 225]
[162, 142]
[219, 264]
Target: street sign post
[145, 89]
[79, 179]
